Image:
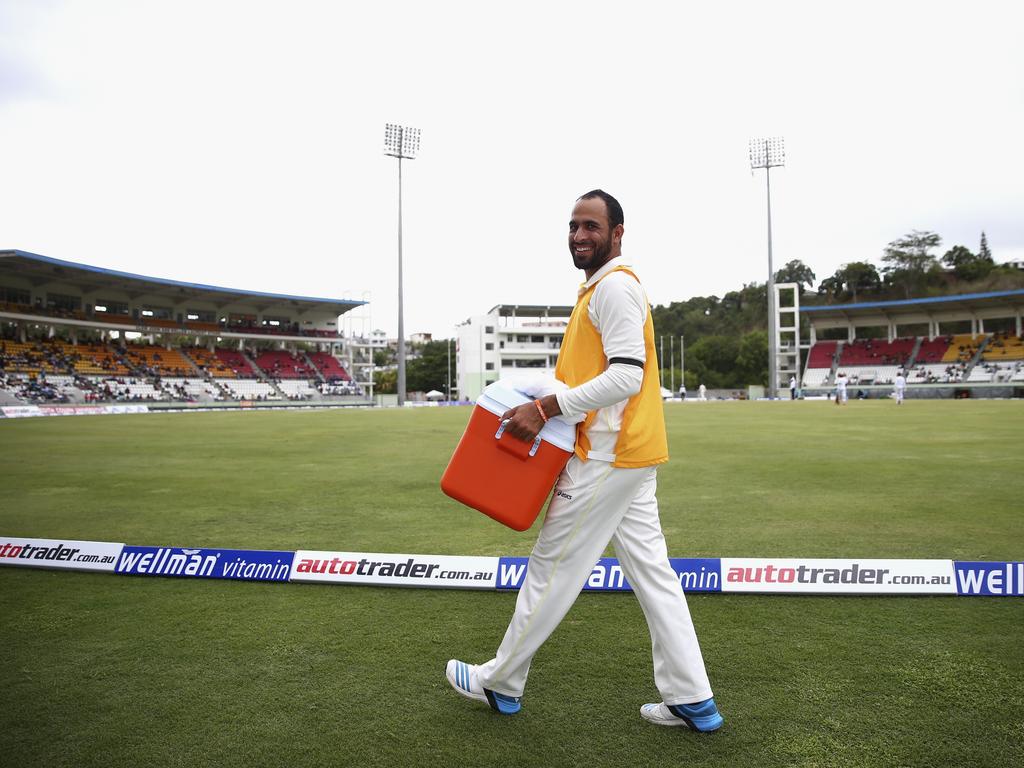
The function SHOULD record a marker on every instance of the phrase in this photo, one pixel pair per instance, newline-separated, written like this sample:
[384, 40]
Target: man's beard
[601, 255]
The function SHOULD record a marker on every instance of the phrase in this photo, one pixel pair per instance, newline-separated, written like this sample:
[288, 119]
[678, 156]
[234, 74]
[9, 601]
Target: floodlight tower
[402, 142]
[768, 154]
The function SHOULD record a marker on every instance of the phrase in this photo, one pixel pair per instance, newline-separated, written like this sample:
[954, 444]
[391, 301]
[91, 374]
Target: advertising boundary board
[694, 574]
[990, 579]
[26, 411]
[62, 554]
[395, 570]
[817, 576]
[206, 563]
[810, 576]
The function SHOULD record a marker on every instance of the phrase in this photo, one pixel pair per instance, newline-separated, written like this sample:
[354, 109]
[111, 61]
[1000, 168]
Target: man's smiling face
[592, 242]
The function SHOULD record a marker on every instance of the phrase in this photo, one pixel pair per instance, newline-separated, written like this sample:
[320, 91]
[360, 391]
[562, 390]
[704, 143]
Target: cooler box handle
[510, 446]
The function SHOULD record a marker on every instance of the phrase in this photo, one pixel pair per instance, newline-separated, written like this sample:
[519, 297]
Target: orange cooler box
[504, 477]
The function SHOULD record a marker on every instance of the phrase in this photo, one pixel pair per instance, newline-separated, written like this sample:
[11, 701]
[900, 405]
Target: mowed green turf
[105, 670]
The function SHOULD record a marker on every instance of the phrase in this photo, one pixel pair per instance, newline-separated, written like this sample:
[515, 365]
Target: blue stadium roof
[46, 266]
[962, 298]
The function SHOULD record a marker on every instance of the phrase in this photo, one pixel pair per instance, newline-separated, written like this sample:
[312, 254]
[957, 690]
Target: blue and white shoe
[463, 679]
[702, 716]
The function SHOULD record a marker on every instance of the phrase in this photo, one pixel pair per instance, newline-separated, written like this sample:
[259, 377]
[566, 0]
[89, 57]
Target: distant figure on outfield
[900, 387]
[682, 392]
[702, 392]
[607, 490]
[792, 387]
[841, 388]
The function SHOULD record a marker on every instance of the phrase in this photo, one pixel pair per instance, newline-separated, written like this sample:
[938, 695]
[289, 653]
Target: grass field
[106, 671]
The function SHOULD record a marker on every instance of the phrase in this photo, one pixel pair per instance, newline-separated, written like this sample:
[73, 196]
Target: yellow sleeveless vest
[642, 439]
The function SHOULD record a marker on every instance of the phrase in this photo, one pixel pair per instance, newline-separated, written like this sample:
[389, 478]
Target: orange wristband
[540, 410]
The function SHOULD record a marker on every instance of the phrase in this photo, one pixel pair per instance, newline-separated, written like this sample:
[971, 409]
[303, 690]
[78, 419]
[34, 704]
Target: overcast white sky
[239, 143]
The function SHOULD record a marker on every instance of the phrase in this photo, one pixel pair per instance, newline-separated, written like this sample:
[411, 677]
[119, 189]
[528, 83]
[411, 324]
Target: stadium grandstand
[75, 333]
[968, 345]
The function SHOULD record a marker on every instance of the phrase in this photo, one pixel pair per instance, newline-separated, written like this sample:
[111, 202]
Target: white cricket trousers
[595, 502]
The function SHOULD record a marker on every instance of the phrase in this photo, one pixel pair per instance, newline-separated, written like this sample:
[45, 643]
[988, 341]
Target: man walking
[607, 490]
[841, 382]
[900, 386]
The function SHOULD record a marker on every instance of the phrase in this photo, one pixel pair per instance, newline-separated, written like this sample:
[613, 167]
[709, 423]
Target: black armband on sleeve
[626, 361]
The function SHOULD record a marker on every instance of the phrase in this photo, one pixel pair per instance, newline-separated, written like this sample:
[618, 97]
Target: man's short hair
[615, 214]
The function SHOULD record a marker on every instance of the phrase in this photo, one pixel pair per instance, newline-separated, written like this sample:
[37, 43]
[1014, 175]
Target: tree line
[425, 369]
[726, 338]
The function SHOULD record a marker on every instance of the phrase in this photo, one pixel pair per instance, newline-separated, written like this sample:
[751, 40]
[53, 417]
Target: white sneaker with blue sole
[702, 716]
[464, 680]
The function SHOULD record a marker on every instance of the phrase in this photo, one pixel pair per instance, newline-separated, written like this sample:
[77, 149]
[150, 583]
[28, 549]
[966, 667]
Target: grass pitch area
[107, 670]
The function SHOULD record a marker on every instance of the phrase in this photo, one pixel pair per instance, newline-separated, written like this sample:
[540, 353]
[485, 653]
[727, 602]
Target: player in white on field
[900, 386]
[607, 490]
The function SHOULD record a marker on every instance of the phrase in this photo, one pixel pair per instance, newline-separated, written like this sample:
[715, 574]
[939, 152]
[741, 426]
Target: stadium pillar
[401, 309]
[682, 361]
[787, 330]
[661, 361]
[768, 154]
[773, 348]
[672, 363]
[401, 142]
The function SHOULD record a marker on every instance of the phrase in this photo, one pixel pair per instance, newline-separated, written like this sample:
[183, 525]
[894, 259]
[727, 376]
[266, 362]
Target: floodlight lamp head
[767, 152]
[401, 141]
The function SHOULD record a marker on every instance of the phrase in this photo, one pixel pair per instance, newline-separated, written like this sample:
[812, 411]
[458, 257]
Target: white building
[509, 339]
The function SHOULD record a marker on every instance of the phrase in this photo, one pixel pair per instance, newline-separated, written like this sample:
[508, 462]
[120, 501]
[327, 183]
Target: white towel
[535, 385]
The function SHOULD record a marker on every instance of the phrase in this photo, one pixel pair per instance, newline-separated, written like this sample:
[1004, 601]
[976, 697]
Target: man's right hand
[524, 422]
